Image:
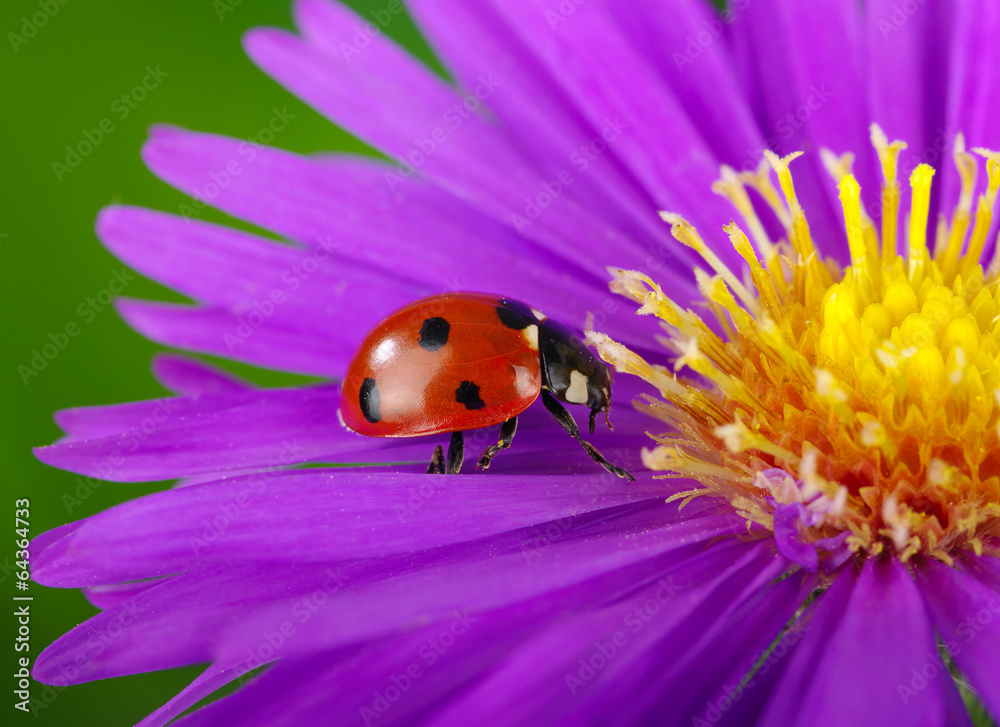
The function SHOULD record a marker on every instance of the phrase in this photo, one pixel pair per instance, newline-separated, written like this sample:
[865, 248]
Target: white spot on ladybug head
[577, 391]
[531, 334]
[538, 314]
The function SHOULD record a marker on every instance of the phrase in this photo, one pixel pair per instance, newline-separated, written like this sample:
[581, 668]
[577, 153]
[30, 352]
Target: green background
[59, 83]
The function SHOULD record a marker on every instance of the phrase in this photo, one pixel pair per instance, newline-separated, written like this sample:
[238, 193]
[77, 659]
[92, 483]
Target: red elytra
[461, 361]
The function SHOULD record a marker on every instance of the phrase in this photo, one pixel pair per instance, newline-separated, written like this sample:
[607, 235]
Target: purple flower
[829, 556]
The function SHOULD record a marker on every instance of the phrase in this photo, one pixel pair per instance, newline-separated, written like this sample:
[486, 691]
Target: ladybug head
[571, 372]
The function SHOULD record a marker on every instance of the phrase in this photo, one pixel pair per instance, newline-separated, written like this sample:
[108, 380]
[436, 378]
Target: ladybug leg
[456, 453]
[507, 430]
[436, 467]
[558, 411]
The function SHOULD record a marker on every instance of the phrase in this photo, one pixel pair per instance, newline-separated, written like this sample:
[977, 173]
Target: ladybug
[461, 361]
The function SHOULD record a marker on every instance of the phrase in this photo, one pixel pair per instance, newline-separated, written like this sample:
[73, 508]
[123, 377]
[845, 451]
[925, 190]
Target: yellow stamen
[960, 219]
[733, 187]
[850, 198]
[920, 181]
[870, 395]
[984, 209]
[888, 155]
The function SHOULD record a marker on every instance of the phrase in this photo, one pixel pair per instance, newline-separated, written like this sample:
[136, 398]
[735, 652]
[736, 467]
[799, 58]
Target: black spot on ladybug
[434, 334]
[468, 393]
[515, 314]
[370, 401]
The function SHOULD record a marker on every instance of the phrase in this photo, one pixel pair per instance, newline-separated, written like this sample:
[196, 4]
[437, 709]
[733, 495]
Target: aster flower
[825, 549]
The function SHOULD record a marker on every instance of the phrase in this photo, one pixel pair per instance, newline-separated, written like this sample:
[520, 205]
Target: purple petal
[136, 626]
[348, 686]
[213, 678]
[819, 622]
[700, 75]
[812, 102]
[190, 617]
[389, 99]
[972, 93]
[752, 699]
[313, 515]
[343, 207]
[712, 678]
[909, 52]
[91, 422]
[620, 548]
[270, 428]
[228, 268]
[531, 103]
[703, 636]
[603, 662]
[862, 645]
[107, 596]
[185, 375]
[484, 671]
[241, 336]
[675, 167]
[966, 611]
[788, 539]
[273, 428]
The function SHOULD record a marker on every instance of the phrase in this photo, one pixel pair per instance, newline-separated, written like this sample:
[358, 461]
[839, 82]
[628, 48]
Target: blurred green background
[67, 75]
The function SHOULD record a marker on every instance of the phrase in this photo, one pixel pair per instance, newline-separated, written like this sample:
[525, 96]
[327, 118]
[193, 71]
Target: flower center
[848, 411]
